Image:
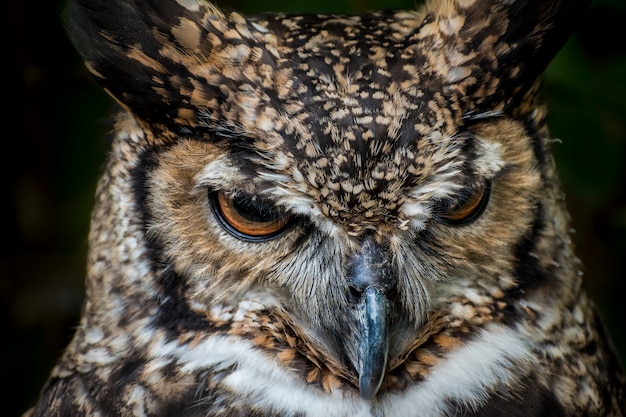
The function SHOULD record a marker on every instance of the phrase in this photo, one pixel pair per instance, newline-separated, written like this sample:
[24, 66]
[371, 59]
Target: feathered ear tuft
[496, 50]
[161, 60]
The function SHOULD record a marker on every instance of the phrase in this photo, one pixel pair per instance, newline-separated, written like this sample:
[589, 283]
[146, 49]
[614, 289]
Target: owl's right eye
[248, 217]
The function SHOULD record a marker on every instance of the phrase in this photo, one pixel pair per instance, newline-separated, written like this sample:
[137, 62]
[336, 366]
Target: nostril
[354, 293]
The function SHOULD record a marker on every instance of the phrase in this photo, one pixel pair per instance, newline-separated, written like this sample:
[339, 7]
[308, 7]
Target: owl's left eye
[248, 218]
[468, 206]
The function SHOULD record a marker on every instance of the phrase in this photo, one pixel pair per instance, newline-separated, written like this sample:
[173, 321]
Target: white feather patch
[466, 376]
[261, 380]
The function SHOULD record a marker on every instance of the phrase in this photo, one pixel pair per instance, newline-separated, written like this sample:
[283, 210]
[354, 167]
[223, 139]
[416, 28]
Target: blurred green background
[54, 116]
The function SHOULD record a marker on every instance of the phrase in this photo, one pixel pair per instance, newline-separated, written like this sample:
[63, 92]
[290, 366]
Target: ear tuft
[161, 60]
[496, 50]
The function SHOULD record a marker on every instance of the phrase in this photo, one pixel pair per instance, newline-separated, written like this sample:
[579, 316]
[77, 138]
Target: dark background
[54, 150]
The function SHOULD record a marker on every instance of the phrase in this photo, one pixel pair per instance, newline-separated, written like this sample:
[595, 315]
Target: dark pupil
[254, 211]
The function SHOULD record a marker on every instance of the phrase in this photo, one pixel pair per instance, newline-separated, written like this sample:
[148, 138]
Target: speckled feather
[363, 129]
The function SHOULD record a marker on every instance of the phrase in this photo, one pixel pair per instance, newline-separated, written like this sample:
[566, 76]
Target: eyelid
[469, 206]
[254, 221]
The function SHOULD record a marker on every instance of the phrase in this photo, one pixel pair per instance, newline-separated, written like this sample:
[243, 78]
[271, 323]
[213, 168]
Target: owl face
[415, 243]
[355, 197]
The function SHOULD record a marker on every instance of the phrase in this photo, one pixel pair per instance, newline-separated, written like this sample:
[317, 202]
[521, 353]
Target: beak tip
[368, 387]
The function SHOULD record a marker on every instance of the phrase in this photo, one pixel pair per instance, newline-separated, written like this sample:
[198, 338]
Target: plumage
[330, 215]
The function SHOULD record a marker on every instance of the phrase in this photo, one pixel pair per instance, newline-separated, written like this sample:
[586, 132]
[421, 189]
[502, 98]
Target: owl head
[352, 195]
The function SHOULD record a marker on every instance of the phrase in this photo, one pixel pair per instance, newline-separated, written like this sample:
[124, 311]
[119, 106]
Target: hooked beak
[371, 278]
[373, 343]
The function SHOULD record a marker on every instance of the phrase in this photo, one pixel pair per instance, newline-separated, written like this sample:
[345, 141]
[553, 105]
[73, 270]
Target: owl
[330, 215]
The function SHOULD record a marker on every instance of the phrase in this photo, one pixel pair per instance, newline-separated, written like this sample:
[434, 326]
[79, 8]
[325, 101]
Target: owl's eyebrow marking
[222, 128]
[471, 116]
